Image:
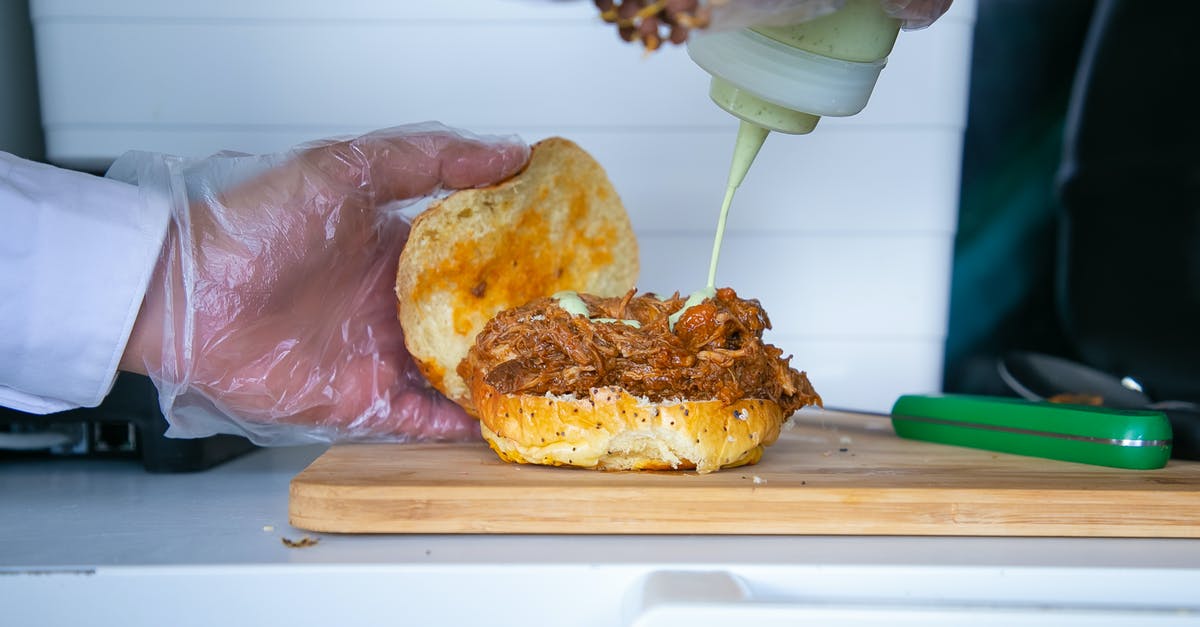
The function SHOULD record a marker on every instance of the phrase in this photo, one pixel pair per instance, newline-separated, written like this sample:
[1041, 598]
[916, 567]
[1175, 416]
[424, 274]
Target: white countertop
[126, 546]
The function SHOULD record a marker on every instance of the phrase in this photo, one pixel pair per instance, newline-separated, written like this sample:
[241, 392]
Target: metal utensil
[1038, 377]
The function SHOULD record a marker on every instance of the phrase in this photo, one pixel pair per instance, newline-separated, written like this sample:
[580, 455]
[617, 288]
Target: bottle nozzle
[750, 139]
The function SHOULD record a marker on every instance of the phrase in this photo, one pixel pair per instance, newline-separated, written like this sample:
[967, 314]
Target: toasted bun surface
[611, 430]
[557, 225]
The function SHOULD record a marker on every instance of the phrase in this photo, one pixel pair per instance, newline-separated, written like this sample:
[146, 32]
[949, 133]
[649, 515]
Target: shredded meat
[715, 351]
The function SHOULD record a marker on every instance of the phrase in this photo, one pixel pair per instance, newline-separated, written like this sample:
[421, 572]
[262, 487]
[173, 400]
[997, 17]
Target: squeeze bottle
[785, 78]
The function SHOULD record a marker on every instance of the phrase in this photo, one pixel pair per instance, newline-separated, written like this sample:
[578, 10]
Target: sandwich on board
[518, 303]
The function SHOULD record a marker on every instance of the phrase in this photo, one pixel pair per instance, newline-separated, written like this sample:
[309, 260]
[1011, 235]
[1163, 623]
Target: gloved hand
[272, 312]
[655, 21]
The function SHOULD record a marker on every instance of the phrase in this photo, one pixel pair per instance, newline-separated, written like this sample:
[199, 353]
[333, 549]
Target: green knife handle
[1134, 439]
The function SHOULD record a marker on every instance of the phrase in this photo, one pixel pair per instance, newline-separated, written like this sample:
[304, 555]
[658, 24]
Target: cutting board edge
[820, 511]
[319, 525]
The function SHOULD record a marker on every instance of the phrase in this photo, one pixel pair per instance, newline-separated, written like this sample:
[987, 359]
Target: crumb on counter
[304, 542]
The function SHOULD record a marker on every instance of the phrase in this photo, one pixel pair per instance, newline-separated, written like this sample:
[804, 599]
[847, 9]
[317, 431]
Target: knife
[1102, 436]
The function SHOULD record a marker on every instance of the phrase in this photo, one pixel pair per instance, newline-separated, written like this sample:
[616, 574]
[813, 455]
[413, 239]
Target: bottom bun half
[613, 430]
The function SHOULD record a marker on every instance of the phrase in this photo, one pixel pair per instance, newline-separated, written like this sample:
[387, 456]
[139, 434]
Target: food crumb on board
[759, 480]
[845, 439]
[303, 542]
[843, 450]
[268, 528]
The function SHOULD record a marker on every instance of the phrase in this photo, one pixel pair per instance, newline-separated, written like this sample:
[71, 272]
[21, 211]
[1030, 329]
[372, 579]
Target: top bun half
[557, 225]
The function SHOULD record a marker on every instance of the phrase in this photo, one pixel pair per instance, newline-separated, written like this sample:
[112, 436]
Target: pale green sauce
[859, 31]
[574, 305]
[749, 140]
[694, 299]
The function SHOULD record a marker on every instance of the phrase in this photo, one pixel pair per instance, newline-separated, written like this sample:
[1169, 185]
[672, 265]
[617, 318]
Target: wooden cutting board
[831, 473]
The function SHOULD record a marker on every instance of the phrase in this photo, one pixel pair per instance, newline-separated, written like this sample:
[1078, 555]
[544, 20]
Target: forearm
[143, 352]
[75, 257]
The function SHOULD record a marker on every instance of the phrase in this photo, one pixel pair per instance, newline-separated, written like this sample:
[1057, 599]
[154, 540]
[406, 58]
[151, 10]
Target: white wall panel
[127, 71]
[847, 286]
[844, 235]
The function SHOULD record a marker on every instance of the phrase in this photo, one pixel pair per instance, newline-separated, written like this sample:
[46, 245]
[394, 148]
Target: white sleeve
[76, 254]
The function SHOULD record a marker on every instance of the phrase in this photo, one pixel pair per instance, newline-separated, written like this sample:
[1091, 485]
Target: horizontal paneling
[368, 74]
[458, 10]
[406, 10]
[843, 179]
[866, 375]
[673, 180]
[824, 285]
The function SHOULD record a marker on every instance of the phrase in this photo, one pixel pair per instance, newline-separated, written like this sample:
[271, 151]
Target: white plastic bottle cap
[784, 75]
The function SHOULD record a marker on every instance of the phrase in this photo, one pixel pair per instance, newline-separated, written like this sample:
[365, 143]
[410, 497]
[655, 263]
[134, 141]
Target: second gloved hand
[653, 22]
[272, 313]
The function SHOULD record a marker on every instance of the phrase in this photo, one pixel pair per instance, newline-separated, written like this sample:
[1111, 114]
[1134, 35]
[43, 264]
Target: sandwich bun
[474, 288]
[612, 430]
[556, 225]
[622, 384]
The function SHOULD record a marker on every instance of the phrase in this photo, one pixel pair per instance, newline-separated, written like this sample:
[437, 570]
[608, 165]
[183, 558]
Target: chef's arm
[76, 255]
[143, 352]
[271, 311]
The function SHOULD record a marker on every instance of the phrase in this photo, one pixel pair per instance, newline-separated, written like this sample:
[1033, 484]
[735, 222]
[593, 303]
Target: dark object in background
[128, 424]
[1079, 232]
[20, 116]
[1024, 58]
[1130, 190]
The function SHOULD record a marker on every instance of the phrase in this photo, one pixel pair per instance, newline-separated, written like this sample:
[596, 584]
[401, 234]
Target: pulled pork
[715, 351]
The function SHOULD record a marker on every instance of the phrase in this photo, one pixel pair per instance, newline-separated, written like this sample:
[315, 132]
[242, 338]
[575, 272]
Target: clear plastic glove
[653, 22]
[272, 313]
